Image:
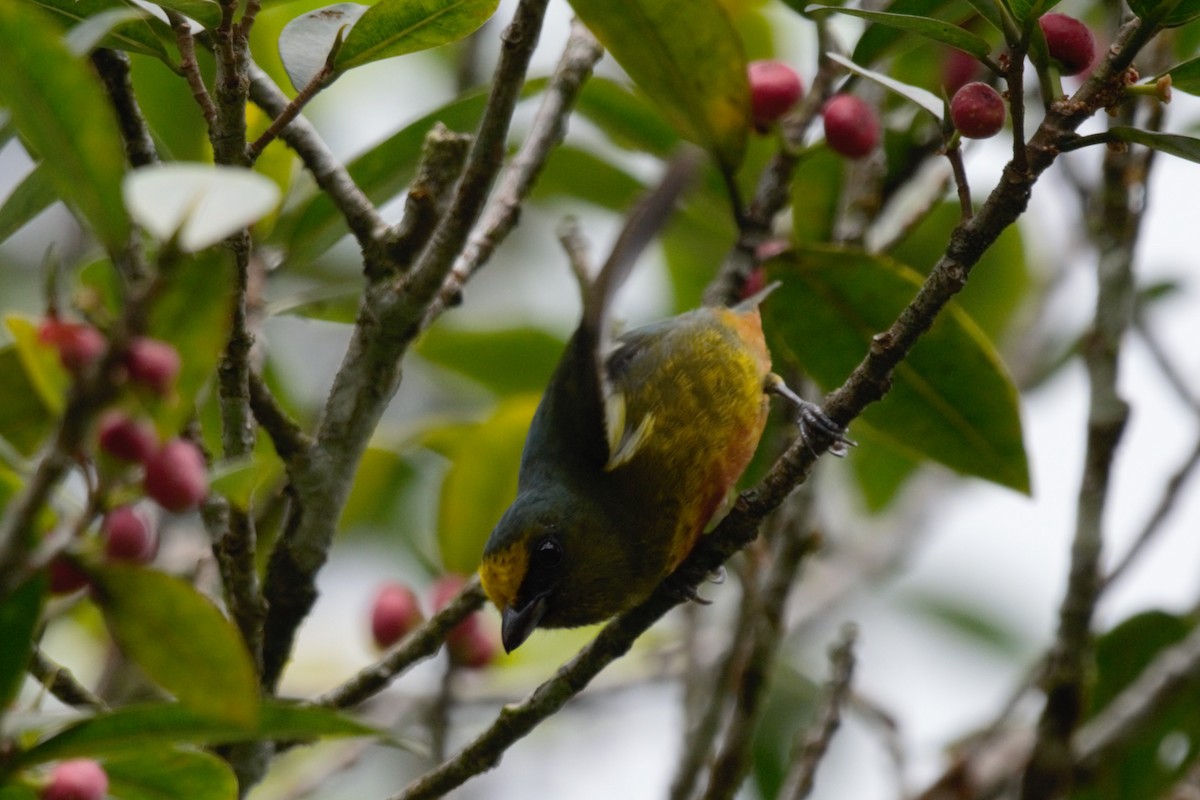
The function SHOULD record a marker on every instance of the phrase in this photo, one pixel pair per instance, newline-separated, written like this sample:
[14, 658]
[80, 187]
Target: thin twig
[810, 750]
[546, 132]
[417, 646]
[191, 68]
[113, 67]
[330, 174]
[795, 542]
[319, 81]
[1166, 504]
[59, 681]
[1049, 772]
[955, 157]
[289, 438]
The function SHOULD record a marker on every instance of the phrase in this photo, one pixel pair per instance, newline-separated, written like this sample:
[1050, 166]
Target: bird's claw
[815, 425]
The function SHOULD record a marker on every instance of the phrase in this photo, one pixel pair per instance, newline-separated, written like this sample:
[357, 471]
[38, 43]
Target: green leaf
[19, 614]
[1139, 768]
[206, 12]
[608, 186]
[951, 400]
[630, 121]
[131, 729]
[306, 41]
[396, 27]
[158, 774]
[33, 195]
[309, 228]
[87, 35]
[937, 30]
[969, 619]
[334, 303]
[481, 481]
[181, 641]
[40, 361]
[1027, 9]
[1172, 144]
[194, 313]
[919, 97]
[197, 205]
[25, 422]
[17, 792]
[48, 92]
[880, 469]
[492, 357]
[1185, 77]
[1152, 12]
[686, 56]
[146, 34]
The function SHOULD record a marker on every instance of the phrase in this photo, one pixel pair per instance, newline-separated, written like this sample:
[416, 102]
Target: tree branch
[388, 321]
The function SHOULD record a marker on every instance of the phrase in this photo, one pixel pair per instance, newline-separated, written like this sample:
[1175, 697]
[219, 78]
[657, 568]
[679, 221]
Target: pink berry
[958, 69]
[468, 643]
[78, 779]
[395, 613]
[1069, 42]
[65, 575]
[176, 477]
[153, 363]
[977, 111]
[125, 438]
[79, 346]
[774, 89]
[852, 127]
[127, 536]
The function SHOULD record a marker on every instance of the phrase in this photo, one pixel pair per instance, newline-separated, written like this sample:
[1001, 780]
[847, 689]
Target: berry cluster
[396, 612]
[173, 473]
[852, 126]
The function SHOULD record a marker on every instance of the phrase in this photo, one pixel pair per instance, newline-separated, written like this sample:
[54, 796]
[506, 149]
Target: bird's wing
[623, 436]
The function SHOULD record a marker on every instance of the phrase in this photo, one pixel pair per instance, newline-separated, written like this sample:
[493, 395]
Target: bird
[634, 447]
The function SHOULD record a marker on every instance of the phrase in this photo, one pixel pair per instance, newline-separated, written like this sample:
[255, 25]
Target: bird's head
[550, 564]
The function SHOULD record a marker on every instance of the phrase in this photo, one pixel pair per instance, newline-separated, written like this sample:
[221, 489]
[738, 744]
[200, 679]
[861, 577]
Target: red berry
[851, 126]
[468, 643]
[958, 69]
[176, 477]
[774, 89]
[1069, 42]
[65, 575]
[152, 363]
[78, 779]
[127, 536]
[977, 111]
[79, 346]
[125, 438]
[395, 613]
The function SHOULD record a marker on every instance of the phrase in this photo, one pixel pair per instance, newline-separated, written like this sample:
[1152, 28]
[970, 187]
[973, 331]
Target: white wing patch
[623, 441]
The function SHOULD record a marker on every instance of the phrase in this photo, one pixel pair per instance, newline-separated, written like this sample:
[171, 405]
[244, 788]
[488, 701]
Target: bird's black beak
[517, 623]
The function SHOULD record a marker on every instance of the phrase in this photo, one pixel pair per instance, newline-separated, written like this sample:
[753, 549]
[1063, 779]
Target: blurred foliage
[435, 479]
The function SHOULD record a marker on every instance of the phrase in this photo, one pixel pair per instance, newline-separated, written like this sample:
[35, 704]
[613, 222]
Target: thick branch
[369, 376]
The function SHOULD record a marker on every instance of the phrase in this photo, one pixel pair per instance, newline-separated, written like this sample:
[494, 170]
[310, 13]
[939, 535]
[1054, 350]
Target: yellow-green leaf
[481, 481]
[49, 94]
[180, 640]
[686, 56]
[397, 27]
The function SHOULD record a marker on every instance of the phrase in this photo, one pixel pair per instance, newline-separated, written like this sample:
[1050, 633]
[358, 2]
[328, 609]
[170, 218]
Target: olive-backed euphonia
[635, 445]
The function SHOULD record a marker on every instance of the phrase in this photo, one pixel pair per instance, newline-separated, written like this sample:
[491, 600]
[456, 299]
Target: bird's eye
[548, 553]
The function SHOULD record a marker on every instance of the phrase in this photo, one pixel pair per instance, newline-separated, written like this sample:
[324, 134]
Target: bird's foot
[815, 426]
